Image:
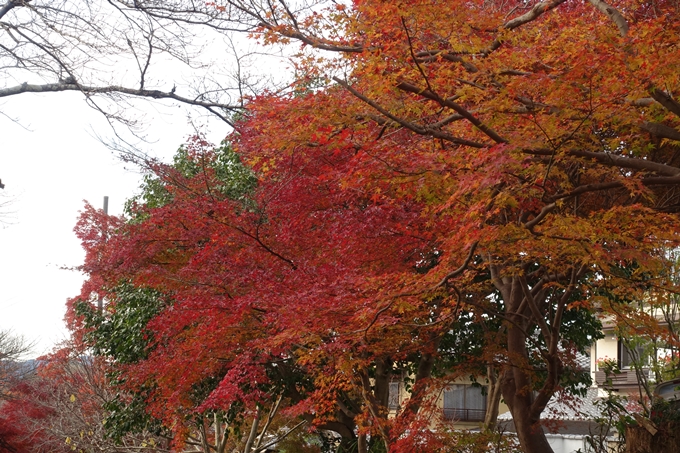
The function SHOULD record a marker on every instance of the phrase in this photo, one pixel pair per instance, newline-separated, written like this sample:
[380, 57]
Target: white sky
[48, 171]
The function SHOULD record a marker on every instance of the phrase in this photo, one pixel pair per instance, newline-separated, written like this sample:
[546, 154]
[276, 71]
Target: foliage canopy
[507, 169]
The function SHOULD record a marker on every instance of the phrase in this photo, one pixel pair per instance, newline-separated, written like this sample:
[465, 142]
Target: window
[464, 402]
[627, 357]
[393, 396]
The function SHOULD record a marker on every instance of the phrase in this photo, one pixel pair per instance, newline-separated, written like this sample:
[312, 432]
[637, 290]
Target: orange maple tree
[546, 133]
[499, 160]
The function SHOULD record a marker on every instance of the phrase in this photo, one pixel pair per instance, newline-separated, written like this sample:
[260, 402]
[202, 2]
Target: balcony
[626, 378]
[465, 415]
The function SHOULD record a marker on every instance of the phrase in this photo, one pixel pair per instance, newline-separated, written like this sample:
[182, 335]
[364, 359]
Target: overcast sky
[50, 162]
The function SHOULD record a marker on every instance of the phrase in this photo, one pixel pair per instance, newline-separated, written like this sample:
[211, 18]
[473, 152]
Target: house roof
[572, 409]
[573, 418]
[583, 361]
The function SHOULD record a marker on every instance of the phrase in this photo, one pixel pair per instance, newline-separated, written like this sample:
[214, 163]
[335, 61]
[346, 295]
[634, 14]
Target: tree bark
[362, 445]
[493, 399]
[529, 430]
[666, 440]
[253, 431]
[516, 384]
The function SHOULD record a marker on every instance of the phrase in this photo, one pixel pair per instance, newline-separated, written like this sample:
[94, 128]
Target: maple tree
[171, 395]
[512, 164]
[569, 140]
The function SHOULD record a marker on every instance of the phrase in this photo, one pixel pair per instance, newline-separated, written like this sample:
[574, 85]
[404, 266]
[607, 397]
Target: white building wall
[566, 443]
[607, 347]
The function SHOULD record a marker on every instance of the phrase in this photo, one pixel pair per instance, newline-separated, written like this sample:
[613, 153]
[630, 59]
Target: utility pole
[100, 301]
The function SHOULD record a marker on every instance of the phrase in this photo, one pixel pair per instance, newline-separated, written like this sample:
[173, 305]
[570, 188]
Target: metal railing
[468, 415]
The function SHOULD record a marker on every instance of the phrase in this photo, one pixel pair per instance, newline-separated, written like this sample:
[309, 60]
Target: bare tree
[115, 51]
[13, 348]
[6, 213]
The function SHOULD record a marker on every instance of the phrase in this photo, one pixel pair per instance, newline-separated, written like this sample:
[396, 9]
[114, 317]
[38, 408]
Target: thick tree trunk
[532, 439]
[529, 430]
[517, 378]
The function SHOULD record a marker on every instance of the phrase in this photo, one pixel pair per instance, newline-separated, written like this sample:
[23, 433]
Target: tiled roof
[583, 361]
[578, 409]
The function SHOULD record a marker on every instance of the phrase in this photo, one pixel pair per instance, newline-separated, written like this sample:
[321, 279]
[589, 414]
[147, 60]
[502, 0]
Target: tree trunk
[493, 399]
[532, 438]
[362, 445]
[518, 395]
[253, 431]
[666, 440]
[517, 377]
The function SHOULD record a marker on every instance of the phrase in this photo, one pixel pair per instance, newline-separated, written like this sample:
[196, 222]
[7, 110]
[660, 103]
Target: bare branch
[7, 7]
[613, 14]
[137, 92]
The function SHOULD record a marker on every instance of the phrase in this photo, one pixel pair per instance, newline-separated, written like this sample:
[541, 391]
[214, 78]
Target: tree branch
[613, 14]
[113, 89]
[535, 12]
[539, 318]
[10, 5]
[460, 269]
[614, 160]
[317, 43]
[664, 99]
[407, 124]
[651, 181]
[429, 94]
[661, 130]
[541, 215]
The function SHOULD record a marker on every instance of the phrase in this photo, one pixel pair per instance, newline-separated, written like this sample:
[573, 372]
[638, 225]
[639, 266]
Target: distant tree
[61, 407]
[13, 350]
[13, 371]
